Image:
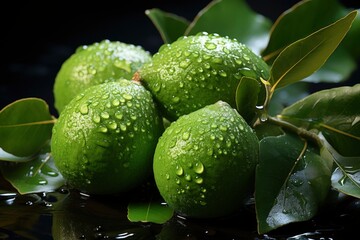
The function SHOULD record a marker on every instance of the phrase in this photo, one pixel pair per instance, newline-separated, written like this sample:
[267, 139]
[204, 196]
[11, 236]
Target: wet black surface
[68, 214]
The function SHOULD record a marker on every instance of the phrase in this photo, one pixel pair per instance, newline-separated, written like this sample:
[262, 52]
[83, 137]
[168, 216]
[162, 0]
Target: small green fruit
[204, 162]
[104, 140]
[199, 70]
[97, 63]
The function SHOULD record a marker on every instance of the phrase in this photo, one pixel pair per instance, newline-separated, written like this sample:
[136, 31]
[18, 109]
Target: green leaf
[153, 211]
[292, 181]
[38, 175]
[170, 26]
[303, 57]
[347, 182]
[4, 156]
[233, 18]
[335, 112]
[337, 68]
[25, 126]
[287, 28]
[246, 96]
[346, 177]
[286, 96]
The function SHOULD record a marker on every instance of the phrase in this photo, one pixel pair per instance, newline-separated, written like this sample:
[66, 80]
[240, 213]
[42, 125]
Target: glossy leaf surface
[303, 57]
[38, 175]
[25, 126]
[335, 112]
[292, 181]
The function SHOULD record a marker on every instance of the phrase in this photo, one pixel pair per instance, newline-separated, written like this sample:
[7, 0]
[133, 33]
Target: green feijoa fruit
[104, 140]
[198, 70]
[100, 62]
[204, 162]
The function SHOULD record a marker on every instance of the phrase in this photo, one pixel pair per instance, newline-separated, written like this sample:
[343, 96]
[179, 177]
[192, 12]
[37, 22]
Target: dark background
[37, 38]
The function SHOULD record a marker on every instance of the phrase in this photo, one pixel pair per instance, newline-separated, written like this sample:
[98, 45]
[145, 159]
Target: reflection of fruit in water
[204, 162]
[104, 140]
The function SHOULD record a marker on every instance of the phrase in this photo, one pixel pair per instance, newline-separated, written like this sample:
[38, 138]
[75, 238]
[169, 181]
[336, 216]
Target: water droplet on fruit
[185, 136]
[116, 102]
[105, 115]
[112, 125]
[119, 115]
[199, 180]
[188, 177]
[176, 99]
[185, 63]
[96, 118]
[210, 45]
[177, 181]
[103, 129]
[84, 109]
[222, 73]
[127, 96]
[179, 170]
[199, 168]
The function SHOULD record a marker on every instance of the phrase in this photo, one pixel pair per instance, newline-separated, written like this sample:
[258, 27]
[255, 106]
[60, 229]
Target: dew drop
[179, 170]
[127, 96]
[84, 109]
[42, 182]
[199, 168]
[105, 115]
[116, 102]
[222, 73]
[96, 118]
[105, 96]
[103, 129]
[186, 136]
[188, 177]
[177, 181]
[176, 99]
[167, 176]
[185, 63]
[112, 125]
[119, 115]
[210, 45]
[51, 174]
[199, 180]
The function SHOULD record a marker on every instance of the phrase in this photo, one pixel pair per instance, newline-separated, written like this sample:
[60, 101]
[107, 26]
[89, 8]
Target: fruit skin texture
[100, 62]
[198, 70]
[104, 140]
[204, 162]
